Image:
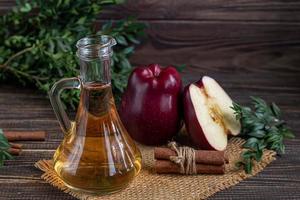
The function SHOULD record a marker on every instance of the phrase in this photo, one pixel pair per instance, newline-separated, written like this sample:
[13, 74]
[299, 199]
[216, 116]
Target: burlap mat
[148, 185]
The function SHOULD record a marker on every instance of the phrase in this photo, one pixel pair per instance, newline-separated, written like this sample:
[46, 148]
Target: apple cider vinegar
[95, 154]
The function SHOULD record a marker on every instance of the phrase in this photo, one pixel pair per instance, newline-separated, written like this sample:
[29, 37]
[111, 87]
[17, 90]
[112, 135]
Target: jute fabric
[149, 185]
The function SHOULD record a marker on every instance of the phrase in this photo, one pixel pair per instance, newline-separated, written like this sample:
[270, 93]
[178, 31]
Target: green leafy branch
[40, 37]
[263, 129]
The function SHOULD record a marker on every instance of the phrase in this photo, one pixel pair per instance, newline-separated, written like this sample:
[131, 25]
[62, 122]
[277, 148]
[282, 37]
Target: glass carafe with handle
[96, 155]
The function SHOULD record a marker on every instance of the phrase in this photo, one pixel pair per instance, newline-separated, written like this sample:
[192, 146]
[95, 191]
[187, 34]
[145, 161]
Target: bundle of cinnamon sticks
[207, 162]
[15, 149]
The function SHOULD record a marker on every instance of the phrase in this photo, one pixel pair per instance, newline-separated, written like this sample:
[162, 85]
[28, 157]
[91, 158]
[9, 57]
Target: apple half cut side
[208, 116]
[220, 98]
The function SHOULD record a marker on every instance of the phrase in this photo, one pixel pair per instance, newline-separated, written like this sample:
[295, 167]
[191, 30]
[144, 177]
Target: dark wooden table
[25, 109]
[252, 47]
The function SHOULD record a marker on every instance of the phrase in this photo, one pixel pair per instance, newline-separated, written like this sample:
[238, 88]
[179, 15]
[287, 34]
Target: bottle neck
[96, 70]
[94, 53]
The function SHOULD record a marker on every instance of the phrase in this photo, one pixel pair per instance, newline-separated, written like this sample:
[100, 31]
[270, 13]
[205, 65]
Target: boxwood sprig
[262, 129]
[4, 146]
[37, 46]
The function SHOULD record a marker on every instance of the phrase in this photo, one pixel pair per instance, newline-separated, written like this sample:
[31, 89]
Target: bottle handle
[54, 94]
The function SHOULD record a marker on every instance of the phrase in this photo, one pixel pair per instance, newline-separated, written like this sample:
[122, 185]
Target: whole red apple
[150, 106]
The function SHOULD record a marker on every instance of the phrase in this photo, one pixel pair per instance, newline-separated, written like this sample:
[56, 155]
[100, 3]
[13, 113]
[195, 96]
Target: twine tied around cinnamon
[185, 158]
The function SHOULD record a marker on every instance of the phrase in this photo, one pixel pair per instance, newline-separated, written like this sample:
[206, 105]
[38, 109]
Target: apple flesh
[208, 116]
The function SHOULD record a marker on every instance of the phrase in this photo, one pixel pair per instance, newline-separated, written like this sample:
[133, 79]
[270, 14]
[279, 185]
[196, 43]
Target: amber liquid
[97, 155]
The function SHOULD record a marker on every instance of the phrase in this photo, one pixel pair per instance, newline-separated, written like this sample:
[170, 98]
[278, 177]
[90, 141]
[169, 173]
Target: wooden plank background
[251, 46]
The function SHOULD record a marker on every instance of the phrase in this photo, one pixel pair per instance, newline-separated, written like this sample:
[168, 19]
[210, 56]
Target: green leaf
[112, 1]
[288, 134]
[7, 156]
[107, 26]
[4, 144]
[257, 134]
[259, 102]
[121, 40]
[120, 1]
[248, 154]
[258, 155]
[81, 20]
[132, 39]
[248, 166]
[262, 144]
[26, 8]
[281, 148]
[276, 110]
[251, 143]
[128, 50]
[125, 64]
[273, 138]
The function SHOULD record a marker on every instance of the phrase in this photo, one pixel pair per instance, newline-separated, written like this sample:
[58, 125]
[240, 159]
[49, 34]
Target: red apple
[207, 114]
[150, 106]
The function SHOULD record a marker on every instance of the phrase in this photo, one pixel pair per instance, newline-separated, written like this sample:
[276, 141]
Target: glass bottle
[97, 154]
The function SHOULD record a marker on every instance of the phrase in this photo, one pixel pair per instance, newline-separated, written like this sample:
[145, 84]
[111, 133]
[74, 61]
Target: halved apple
[208, 116]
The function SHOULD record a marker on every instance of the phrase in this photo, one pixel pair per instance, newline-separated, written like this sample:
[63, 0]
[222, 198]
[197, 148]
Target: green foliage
[38, 42]
[4, 146]
[262, 128]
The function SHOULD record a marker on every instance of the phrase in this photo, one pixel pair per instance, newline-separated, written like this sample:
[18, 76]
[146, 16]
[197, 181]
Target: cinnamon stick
[164, 166]
[201, 156]
[14, 151]
[16, 146]
[25, 135]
